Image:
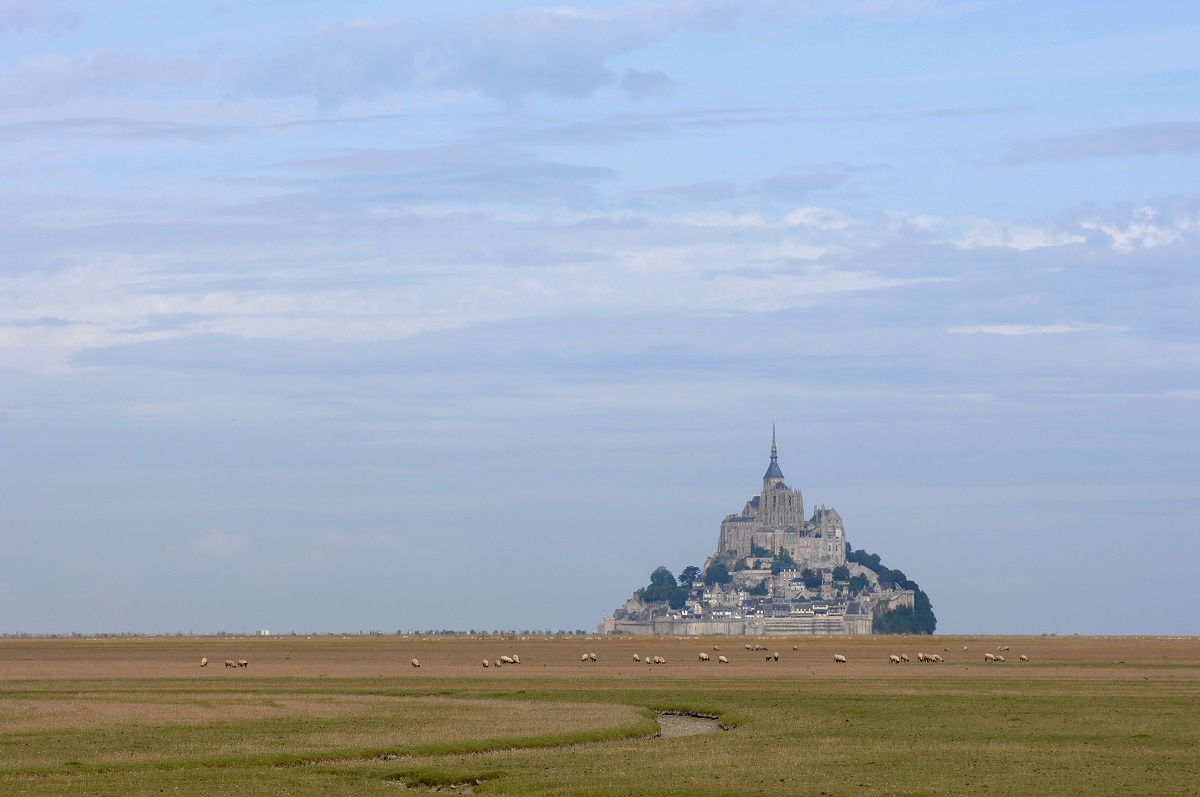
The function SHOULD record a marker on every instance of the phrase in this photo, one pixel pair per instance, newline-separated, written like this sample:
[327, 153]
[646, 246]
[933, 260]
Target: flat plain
[350, 715]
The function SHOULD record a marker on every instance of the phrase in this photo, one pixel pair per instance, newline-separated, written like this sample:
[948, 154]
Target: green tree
[662, 586]
[717, 573]
[689, 575]
[760, 588]
[918, 619]
[661, 577]
[783, 561]
[841, 573]
[812, 579]
[858, 583]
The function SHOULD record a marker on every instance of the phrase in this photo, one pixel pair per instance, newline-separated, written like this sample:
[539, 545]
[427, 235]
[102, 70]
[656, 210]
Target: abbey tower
[773, 521]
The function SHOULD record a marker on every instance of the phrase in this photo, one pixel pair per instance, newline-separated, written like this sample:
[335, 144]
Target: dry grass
[1085, 715]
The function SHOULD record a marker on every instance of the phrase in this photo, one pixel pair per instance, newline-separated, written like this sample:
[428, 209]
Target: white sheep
[988, 657]
[243, 663]
[935, 658]
[497, 663]
[749, 648]
[795, 647]
[715, 647]
[584, 657]
[636, 657]
[507, 659]
[230, 663]
[1024, 657]
[775, 655]
[904, 658]
[1000, 659]
[921, 657]
[591, 657]
[704, 657]
[894, 659]
[1004, 648]
[839, 658]
[516, 659]
[415, 663]
[722, 660]
[486, 664]
[204, 661]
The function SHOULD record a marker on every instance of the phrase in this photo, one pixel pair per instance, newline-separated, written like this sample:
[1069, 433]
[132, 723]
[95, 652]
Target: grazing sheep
[591, 657]
[659, 660]
[1000, 659]
[705, 657]
[795, 647]
[243, 663]
[775, 655]
[904, 658]
[636, 657]
[584, 657]
[204, 661]
[516, 659]
[497, 663]
[988, 657]
[964, 647]
[230, 663]
[839, 658]
[1024, 657]
[415, 663]
[715, 647]
[507, 659]
[722, 660]
[748, 647]
[894, 659]
[935, 658]
[1004, 648]
[486, 664]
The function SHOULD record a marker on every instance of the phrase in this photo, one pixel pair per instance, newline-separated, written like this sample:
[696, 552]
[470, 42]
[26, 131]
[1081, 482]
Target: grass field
[331, 715]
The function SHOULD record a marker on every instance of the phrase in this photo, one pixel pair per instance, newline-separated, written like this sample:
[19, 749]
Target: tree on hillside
[918, 619]
[812, 578]
[717, 573]
[841, 573]
[783, 561]
[689, 575]
[663, 588]
[661, 577]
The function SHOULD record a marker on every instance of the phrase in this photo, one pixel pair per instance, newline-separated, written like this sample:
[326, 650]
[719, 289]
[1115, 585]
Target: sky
[363, 315]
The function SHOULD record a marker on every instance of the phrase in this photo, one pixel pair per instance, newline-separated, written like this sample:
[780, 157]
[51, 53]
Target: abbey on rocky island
[773, 573]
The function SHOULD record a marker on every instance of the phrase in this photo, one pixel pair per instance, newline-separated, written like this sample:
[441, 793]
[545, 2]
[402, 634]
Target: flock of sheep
[228, 662]
[838, 658]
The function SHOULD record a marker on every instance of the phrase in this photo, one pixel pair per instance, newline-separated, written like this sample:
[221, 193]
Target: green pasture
[824, 736]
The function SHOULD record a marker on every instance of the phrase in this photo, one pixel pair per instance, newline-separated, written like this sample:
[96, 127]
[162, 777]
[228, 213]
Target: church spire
[773, 472]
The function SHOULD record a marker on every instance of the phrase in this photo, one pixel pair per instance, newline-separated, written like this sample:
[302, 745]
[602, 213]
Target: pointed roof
[773, 472]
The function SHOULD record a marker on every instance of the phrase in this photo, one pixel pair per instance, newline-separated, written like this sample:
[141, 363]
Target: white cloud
[983, 233]
[221, 544]
[818, 218]
[1144, 229]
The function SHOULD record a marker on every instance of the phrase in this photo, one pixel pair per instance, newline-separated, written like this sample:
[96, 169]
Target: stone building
[781, 576]
[774, 520]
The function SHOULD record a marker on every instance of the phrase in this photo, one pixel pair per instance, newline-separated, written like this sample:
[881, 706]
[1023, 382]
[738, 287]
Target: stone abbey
[773, 573]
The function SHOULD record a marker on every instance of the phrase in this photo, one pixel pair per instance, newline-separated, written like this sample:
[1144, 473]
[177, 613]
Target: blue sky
[365, 315]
